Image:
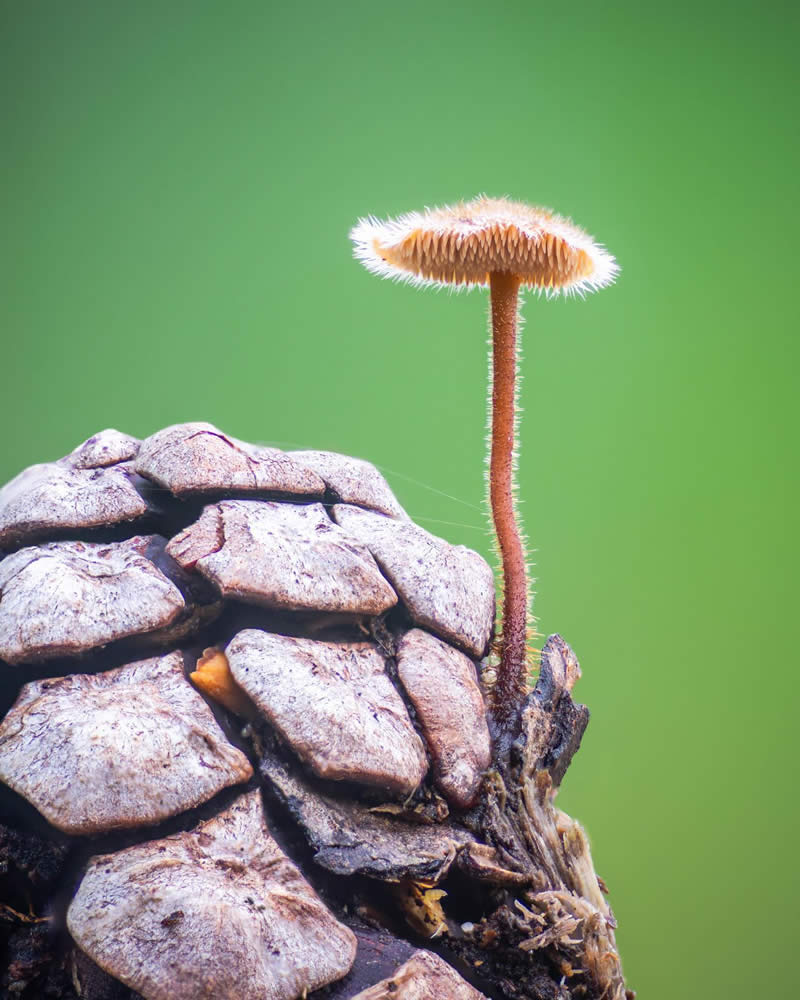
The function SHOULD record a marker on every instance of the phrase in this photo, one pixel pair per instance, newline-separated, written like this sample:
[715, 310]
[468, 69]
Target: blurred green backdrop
[177, 183]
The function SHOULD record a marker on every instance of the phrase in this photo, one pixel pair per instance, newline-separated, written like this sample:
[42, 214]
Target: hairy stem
[510, 685]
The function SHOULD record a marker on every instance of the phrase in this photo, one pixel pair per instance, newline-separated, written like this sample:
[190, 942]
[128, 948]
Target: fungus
[505, 245]
[212, 675]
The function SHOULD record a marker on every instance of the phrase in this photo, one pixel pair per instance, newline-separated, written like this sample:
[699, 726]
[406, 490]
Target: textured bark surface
[219, 911]
[130, 747]
[307, 689]
[446, 588]
[423, 977]
[63, 598]
[195, 458]
[555, 938]
[284, 556]
[443, 687]
[352, 480]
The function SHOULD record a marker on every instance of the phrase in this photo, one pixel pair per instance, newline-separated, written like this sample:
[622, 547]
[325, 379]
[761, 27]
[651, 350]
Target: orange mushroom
[505, 245]
[212, 675]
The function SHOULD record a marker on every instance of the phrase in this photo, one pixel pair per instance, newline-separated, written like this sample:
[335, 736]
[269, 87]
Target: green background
[177, 181]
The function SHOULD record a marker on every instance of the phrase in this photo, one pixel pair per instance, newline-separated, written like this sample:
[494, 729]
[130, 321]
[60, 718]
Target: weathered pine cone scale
[319, 811]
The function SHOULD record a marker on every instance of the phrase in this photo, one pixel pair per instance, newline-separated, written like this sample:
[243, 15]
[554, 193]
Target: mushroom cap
[463, 244]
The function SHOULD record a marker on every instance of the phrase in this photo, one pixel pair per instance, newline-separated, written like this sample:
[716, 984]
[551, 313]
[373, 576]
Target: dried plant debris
[218, 912]
[352, 480]
[552, 723]
[64, 598]
[307, 689]
[125, 748]
[92, 487]
[351, 839]
[195, 458]
[446, 588]
[563, 917]
[443, 686]
[285, 556]
[424, 976]
[482, 864]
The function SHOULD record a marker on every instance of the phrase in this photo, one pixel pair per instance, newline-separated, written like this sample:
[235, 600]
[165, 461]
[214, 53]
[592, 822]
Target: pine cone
[321, 810]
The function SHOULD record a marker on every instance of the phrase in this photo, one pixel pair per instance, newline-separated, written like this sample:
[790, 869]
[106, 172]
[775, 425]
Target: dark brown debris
[482, 863]
[95, 984]
[350, 839]
[334, 704]
[448, 589]
[552, 723]
[352, 480]
[283, 556]
[125, 748]
[379, 954]
[251, 928]
[196, 458]
[443, 687]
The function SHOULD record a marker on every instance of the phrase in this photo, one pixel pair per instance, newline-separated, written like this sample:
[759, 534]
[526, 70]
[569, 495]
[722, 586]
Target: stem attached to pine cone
[510, 685]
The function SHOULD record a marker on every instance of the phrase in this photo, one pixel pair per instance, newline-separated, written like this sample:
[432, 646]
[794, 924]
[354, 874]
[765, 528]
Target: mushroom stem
[510, 685]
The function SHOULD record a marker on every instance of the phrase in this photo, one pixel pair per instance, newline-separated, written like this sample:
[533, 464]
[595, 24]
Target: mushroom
[505, 245]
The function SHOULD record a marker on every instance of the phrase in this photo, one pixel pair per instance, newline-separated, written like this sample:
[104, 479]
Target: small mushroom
[218, 911]
[505, 245]
[120, 749]
[212, 675]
